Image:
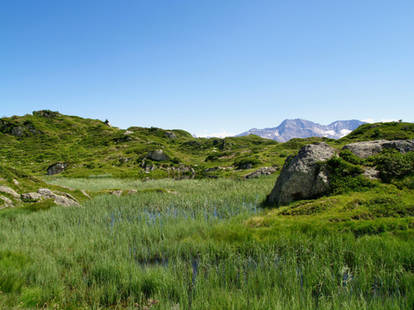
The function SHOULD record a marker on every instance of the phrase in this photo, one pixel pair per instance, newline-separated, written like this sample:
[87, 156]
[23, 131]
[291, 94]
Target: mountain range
[300, 128]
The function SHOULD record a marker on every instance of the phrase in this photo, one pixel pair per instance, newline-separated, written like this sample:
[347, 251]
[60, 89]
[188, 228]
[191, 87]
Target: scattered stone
[7, 202]
[132, 191]
[158, 155]
[58, 199]
[371, 173]
[10, 191]
[56, 168]
[64, 201]
[31, 197]
[301, 176]
[15, 182]
[116, 193]
[261, 171]
[366, 149]
[171, 135]
[18, 131]
[46, 193]
[85, 194]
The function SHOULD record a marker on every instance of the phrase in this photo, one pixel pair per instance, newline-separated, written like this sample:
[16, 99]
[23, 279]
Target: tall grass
[192, 249]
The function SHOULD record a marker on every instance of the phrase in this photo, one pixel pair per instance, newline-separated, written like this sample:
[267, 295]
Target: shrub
[393, 165]
[345, 177]
[350, 157]
[246, 163]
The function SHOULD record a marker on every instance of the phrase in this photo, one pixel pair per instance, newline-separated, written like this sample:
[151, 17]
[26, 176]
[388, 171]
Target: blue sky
[208, 66]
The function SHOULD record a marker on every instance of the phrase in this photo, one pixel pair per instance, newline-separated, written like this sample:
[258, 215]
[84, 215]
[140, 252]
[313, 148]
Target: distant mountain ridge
[300, 128]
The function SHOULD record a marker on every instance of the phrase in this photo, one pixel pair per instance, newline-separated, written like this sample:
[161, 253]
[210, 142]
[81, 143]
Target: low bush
[394, 165]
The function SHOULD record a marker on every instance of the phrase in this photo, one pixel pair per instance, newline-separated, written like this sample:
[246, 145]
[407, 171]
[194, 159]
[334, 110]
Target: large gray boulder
[301, 176]
[56, 168]
[366, 149]
[158, 155]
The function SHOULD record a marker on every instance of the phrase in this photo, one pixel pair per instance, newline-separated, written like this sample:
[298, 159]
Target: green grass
[205, 244]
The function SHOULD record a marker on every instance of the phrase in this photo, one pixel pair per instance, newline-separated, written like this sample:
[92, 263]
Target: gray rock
[170, 135]
[10, 191]
[85, 194]
[158, 155]
[260, 172]
[117, 193]
[6, 201]
[65, 201]
[46, 113]
[301, 176]
[18, 131]
[60, 200]
[371, 173]
[366, 149]
[56, 168]
[31, 197]
[46, 193]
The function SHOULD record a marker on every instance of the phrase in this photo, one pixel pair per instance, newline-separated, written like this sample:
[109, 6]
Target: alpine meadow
[206, 155]
[207, 237]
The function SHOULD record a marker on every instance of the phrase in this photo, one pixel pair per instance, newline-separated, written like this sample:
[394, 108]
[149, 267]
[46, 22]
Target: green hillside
[91, 147]
[384, 131]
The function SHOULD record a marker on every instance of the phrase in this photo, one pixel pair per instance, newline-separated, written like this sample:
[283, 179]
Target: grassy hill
[90, 147]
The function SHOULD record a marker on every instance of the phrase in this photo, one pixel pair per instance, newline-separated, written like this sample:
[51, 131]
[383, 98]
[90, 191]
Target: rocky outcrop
[56, 168]
[31, 197]
[5, 202]
[366, 149]
[63, 199]
[158, 155]
[46, 113]
[260, 172]
[9, 191]
[371, 173]
[302, 177]
[170, 135]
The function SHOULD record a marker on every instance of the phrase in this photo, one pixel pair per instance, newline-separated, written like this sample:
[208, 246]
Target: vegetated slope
[91, 147]
[378, 131]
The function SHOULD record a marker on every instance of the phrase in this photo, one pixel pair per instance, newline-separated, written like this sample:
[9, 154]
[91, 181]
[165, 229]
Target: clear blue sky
[208, 66]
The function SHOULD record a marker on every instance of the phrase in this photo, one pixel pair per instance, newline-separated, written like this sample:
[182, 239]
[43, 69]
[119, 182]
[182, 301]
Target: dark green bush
[350, 157]
[345, 177]
[393, 165]
[246, 163]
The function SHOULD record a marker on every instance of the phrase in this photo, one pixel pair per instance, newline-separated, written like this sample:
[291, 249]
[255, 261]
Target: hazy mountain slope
[299, 128]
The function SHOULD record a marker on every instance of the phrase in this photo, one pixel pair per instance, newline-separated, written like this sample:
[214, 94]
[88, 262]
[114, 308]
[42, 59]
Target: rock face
[369, 148]
[301, 176]
[56, 168]
[260, 172]
[158, 155]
